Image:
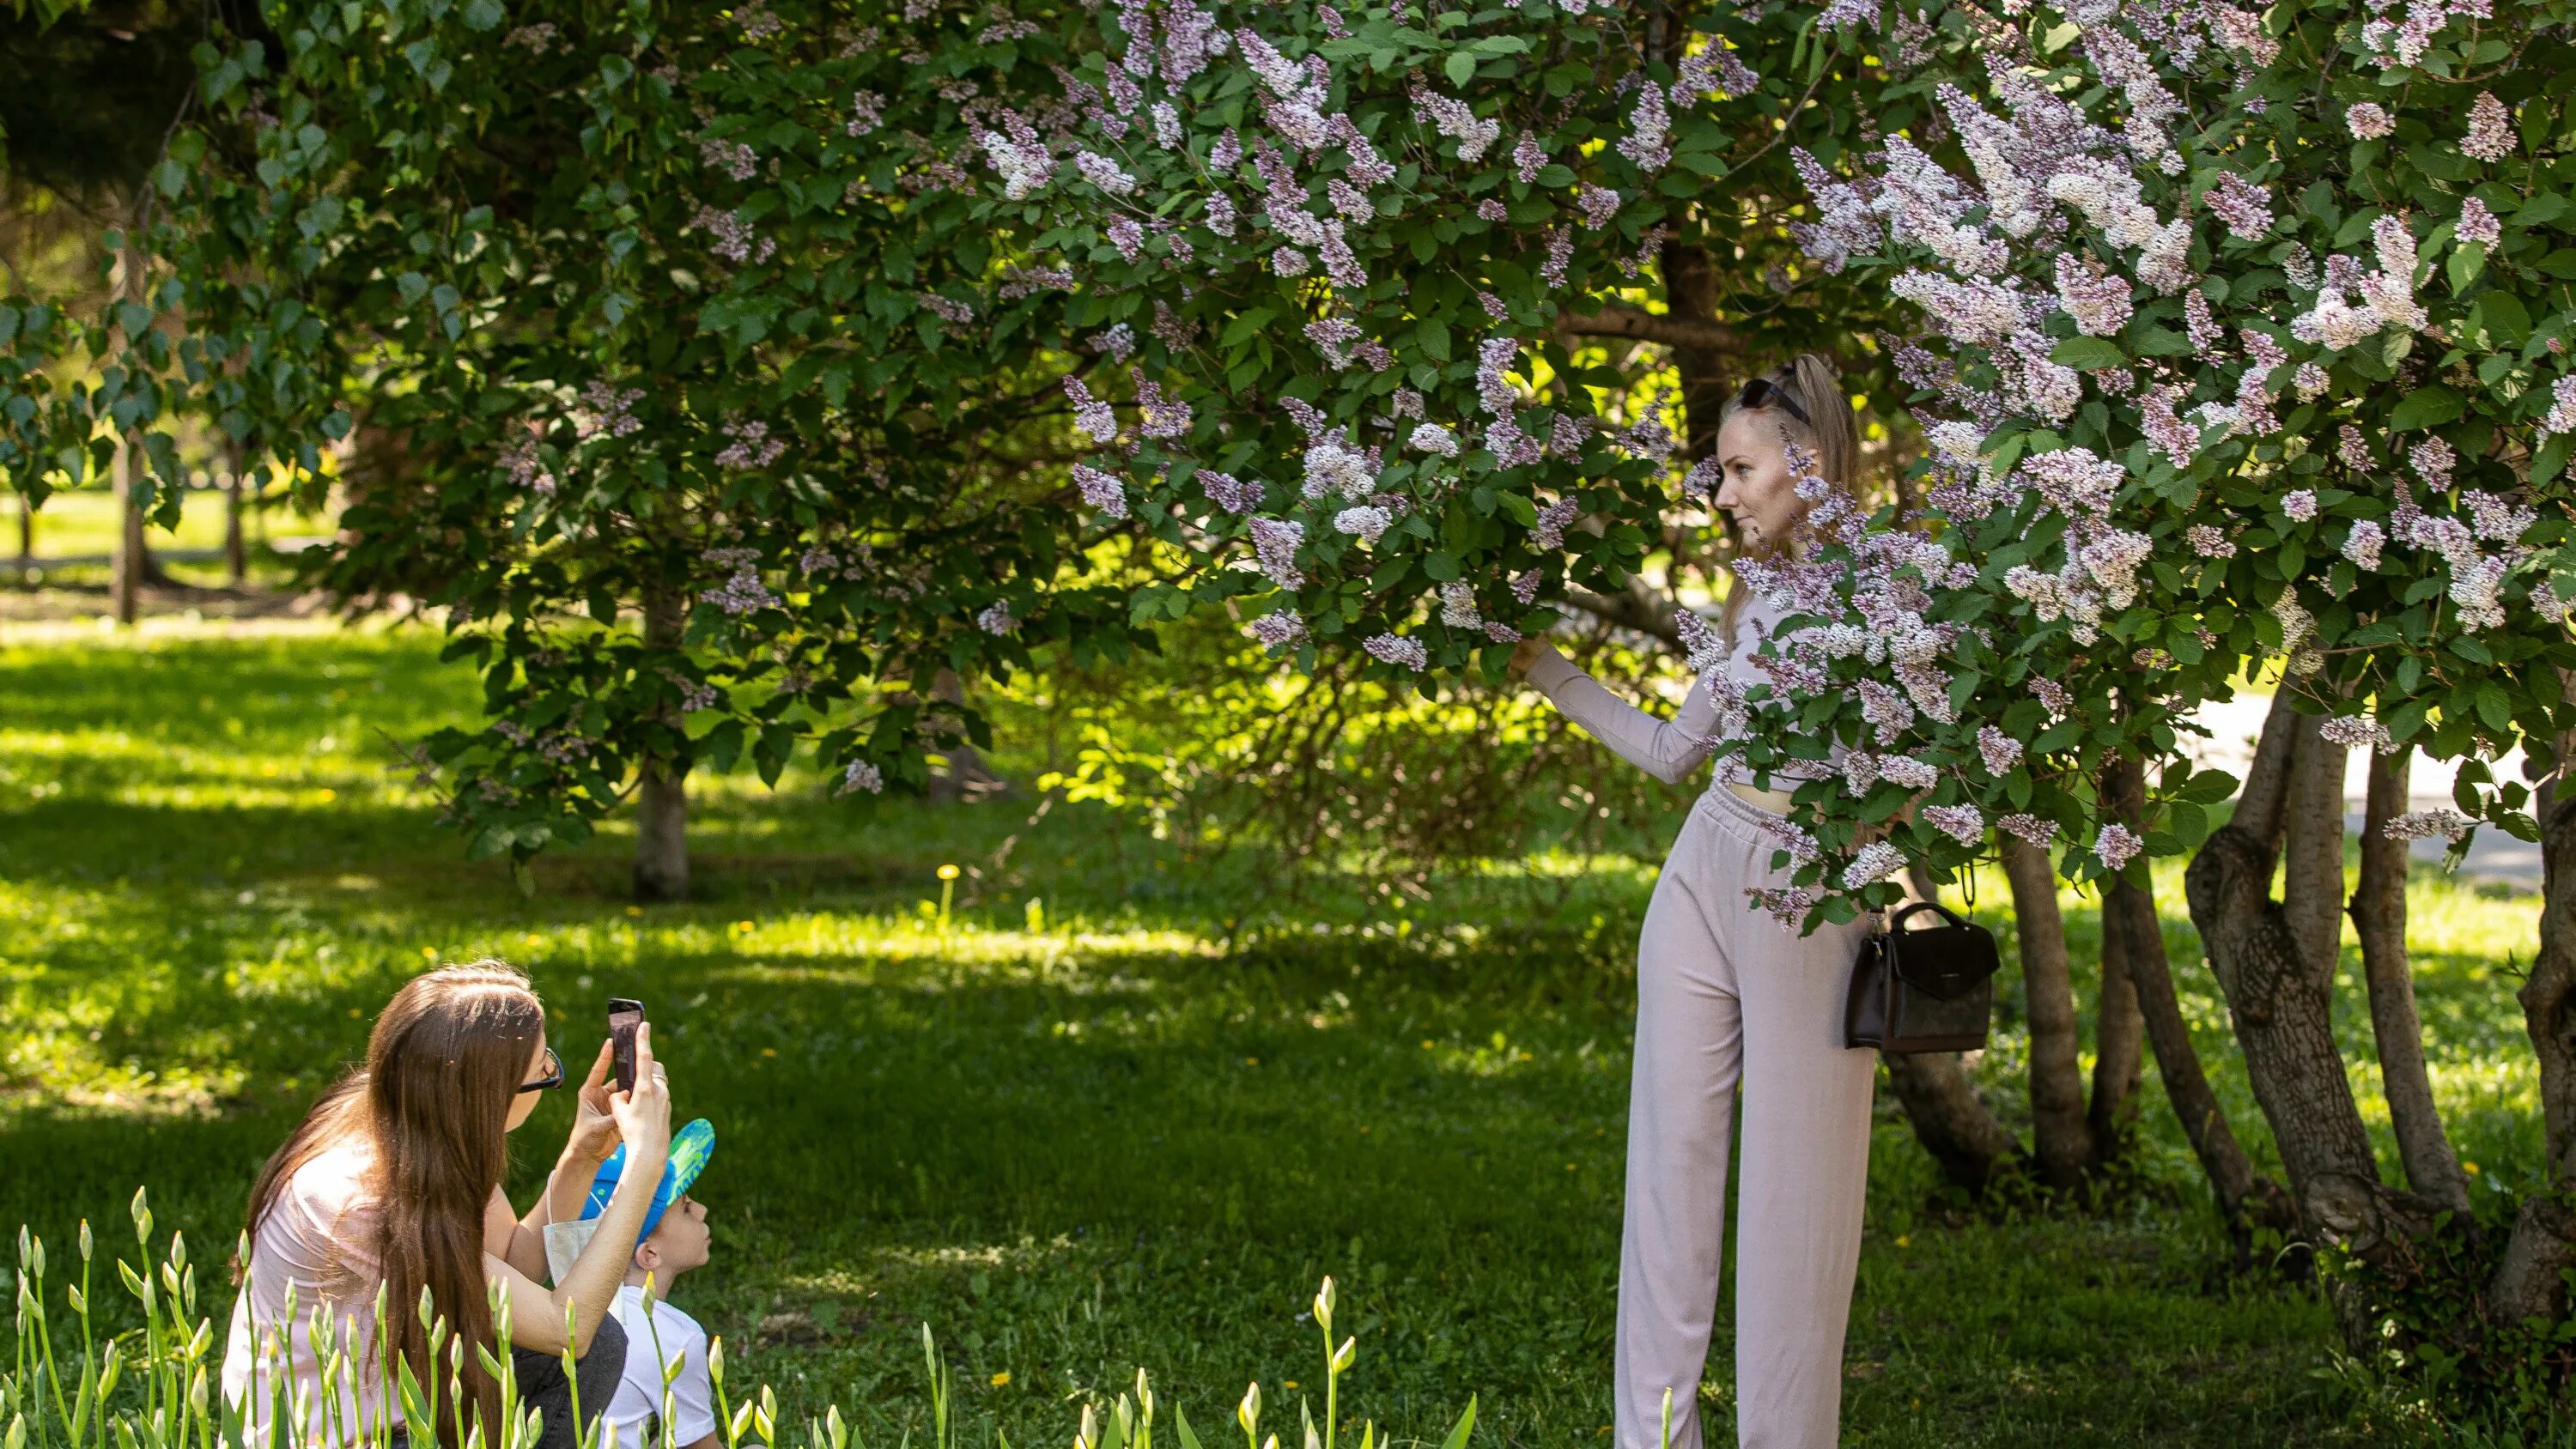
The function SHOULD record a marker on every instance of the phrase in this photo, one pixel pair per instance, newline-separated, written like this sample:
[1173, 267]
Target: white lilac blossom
[1220, 214]
[2478, 224]
[1396, 649]
[1334, 466]
[2363, 544]
[2433, 460]
[1288, 262]
[2116, 846]
[1024, 168]
[1128, 235]
[2031, 829]
[1454, 119]
[1228, 492]
[733, 158]
[752, 446]
[2245, 207]
[1333, 337]
[952, 314]
[1494, 358]
[1874, 861]
[742, 591]
[2000, 751]
[1101, 490]
[1911, 773]
[1367, 522]
[1525, 586]
[1433, 438]
[867, 112]
[1597, 203]
[2368, 122]
[1103, 173]
[1090, 414]
[2445, 823]
[1458, 605]
[2498, 521]
[2561, 417]
[1160, 416]
[1548, 534]
[2310, 381]
[606, 411]
[1649, 126]
[2352, 450]
[2490, 136]
[861, 776]
[2209, 541]
[1275, 541]
[1527, 157]
[1962, 823]
[2300, 504]
[2096, 299]
[527, 469]
[2358, 731]
[996, 619]
[1278, 630]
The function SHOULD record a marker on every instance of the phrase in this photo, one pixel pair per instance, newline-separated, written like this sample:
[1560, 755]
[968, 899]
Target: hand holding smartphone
[624, 1016]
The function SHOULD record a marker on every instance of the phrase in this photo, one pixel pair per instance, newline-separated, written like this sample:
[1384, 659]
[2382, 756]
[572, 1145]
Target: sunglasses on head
[1762, 392]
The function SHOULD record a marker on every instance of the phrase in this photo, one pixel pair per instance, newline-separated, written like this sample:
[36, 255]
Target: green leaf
[483, 14]
[2088, 353]
[2426, 407]
[1461, 67]
[1466, 1426]
[2207, 787]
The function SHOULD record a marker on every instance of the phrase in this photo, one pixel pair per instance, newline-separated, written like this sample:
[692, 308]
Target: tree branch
[1660, 327]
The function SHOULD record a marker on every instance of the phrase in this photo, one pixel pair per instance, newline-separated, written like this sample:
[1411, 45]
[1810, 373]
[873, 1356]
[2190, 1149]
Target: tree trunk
[2129, 913]
[2279, 993]
[662, 800]
[2062, 1145]
[2379, 920]
[126, 565]
[1948, 1116]
[2529, 1282]
[26, 534]
[1950, 1119]
[2119, 1044]
[236, 557]
[967, 775]
[2312, 890]
[1707, 370]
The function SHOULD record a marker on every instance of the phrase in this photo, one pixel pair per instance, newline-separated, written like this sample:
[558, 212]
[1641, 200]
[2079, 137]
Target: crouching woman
[390, 1189]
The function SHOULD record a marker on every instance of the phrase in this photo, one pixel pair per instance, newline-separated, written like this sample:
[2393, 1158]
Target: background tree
[680, 321]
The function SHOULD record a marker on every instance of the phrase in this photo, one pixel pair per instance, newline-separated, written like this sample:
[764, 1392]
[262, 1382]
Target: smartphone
[624, 1015]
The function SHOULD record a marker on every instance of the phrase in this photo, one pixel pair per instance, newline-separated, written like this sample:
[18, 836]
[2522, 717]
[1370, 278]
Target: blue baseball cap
[691, 1146]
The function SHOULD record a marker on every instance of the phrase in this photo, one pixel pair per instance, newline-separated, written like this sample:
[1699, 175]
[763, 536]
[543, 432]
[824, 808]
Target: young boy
[674, 1240]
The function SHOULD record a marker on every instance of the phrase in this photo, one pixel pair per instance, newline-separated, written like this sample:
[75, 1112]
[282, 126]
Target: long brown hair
[433, 1102]
[1811, 381]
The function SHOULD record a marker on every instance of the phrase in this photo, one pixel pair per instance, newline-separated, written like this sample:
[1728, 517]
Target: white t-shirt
[315, 1244]
[668, 1337]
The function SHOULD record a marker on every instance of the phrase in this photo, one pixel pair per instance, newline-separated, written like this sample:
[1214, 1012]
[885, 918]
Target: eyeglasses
[552, 1079]
[1761, 392]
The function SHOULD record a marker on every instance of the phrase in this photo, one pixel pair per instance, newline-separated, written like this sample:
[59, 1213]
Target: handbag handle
[1897, 922]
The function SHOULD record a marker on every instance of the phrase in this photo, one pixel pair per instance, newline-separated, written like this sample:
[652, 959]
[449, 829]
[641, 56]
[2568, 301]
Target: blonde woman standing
[1727, 998]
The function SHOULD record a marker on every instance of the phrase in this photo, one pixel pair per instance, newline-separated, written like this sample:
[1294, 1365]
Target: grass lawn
[1073, 1132]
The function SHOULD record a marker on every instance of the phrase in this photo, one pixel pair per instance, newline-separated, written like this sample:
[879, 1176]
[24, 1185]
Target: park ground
[1117, 1110]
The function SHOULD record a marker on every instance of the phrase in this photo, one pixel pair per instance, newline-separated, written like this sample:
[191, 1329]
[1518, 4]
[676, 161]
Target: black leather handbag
[1929, 990]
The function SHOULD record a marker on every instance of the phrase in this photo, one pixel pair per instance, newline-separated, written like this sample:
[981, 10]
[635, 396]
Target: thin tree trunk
[236, 557]
[1690, 291]
[2129, 914]
[967, 774]
[2312, 889]
[2529, 1282]
[1949, 1118]
[26, 534]
[2119, 1047]
[2062, 1145]
[2279, 992]
[662, 800]
[126, 566]
[2379, 920]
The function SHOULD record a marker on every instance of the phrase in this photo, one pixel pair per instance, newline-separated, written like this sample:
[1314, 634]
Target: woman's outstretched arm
[1666, 749]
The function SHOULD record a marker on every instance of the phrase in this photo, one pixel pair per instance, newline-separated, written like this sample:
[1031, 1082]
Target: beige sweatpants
[1726, 996]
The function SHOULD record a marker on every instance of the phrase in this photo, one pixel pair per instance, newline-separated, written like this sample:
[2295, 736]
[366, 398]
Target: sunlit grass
[1073, 1129]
